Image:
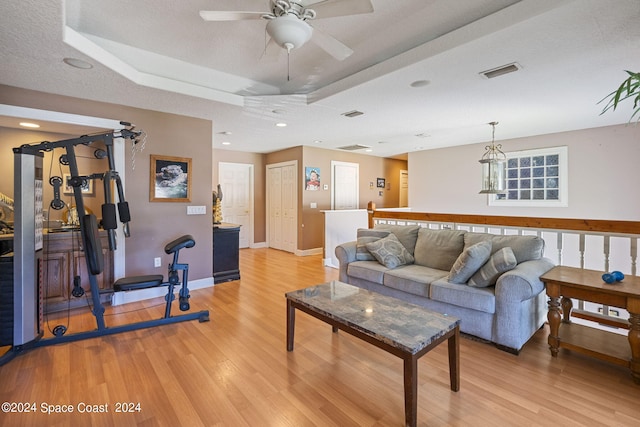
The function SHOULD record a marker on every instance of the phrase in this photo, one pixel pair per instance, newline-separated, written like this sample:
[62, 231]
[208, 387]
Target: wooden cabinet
[226, 244]
[63, 260]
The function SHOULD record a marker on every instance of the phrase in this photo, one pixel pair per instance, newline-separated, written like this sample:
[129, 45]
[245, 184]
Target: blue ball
[617, 275]
[608, 278]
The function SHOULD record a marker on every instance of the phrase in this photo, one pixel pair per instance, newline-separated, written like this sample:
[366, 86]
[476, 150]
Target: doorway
[282, 203]
[345, 184]
[404, 189]
[236, 182]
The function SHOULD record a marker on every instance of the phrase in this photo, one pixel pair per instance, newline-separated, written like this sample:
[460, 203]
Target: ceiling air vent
[505, 69]
[353, 147]
[354, 113]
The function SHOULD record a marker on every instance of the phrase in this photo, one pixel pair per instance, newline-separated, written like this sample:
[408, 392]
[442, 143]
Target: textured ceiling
[161, 55]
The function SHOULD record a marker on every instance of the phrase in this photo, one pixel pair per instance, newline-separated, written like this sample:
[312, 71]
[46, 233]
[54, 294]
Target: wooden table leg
[291, 323]
[454, 359]
[553, 317]
[411, 390]
[567, 306]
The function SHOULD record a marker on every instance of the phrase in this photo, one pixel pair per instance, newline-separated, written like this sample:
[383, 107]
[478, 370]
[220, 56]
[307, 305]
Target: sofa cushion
[501, 261]
[438, 249]
[407, 234]
[470, 261]
[390, 252]
[372, 271]
[365, 236]
[525, 248]
[481, 299]
[413, 279]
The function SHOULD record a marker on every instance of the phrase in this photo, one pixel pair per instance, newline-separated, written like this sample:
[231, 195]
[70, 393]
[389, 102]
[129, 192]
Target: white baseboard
[328, 262]
[307, 252]
[119, 298]
[258, 245]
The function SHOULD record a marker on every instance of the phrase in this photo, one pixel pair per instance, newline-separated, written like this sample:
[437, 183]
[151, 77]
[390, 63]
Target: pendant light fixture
[493, 163]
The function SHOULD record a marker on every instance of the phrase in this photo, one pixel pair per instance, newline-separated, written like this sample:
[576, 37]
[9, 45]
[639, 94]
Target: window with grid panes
[535, 178]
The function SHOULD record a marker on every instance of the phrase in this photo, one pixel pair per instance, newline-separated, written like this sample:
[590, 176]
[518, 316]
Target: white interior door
[404, 189]
[236, 182]
[282, 204]
[344, 185]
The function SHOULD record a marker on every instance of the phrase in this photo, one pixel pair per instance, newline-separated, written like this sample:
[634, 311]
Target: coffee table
[402, 329]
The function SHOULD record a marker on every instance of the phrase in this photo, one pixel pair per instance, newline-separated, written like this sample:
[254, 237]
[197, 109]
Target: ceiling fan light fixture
[289, 32]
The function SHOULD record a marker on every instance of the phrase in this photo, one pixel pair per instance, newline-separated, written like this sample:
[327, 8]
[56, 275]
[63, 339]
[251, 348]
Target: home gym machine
[28, 242]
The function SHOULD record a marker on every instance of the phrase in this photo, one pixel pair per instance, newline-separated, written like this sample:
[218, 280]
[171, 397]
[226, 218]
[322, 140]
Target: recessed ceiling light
[29, 125]
[281, 124]
[77, 63]
[423, 135]
[226, 143]
[277, 111]
[368, 150]
[420, 83]
[224, 132]
[317, 141]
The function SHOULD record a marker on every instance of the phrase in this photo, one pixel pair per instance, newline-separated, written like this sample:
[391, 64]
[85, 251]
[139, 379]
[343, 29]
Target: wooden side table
[587, 285]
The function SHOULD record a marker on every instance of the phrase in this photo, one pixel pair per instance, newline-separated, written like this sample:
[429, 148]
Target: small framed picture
[87, 185]
[380, 182]
[170, 179]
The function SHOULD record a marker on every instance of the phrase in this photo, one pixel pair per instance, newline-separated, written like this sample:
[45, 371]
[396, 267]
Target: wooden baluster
[581, 249]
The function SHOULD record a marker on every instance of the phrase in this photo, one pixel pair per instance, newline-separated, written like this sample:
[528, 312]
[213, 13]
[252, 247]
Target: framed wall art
[380, 183]
[170, 179]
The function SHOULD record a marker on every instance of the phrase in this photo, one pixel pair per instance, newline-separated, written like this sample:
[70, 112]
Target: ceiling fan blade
[331, 45]
[219, 15]
[332, 8]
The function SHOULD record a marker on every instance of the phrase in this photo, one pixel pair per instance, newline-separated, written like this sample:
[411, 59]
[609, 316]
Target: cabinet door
[81, 270]
[56, 276]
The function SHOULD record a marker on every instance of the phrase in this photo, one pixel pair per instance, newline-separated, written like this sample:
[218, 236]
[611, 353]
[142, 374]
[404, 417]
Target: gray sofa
[491, 282]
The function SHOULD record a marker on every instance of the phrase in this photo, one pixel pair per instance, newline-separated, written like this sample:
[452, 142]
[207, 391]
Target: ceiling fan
[288, 24]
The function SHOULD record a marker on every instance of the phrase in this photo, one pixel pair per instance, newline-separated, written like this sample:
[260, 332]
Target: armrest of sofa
[346, 253]
[523, 282]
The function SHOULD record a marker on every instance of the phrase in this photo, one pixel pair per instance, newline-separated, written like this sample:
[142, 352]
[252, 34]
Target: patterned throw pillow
[469, 261]
[365, 236]
[501, 261]
[390, 252]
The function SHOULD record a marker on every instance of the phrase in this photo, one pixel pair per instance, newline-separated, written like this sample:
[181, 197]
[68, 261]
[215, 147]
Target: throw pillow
[469, 261]
[365, 236]
[501, 261]
[407, 234]
[390, 252]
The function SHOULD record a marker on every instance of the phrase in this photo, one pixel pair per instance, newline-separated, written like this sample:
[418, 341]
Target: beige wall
[153, 223]
[311, 220]
[603, 176]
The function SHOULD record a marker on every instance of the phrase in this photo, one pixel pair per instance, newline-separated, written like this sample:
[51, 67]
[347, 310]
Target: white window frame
[563, 178]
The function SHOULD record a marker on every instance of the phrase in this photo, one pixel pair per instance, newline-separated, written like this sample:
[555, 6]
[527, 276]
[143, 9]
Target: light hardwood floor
[235, 370]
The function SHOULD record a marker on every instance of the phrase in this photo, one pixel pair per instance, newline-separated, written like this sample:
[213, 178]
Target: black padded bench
[154, 280]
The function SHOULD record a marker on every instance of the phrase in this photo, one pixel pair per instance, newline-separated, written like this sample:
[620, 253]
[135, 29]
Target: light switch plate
[196, 210]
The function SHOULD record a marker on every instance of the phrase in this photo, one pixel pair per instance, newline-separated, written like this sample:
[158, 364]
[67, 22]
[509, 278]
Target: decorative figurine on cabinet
[217, 206]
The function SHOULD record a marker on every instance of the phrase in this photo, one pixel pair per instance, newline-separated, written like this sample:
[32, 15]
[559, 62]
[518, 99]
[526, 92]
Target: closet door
[282, 206]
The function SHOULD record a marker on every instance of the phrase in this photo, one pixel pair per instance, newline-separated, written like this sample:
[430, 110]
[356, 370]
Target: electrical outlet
[157, 262]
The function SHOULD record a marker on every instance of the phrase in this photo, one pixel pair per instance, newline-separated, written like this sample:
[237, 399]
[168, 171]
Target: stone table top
[406, 326]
